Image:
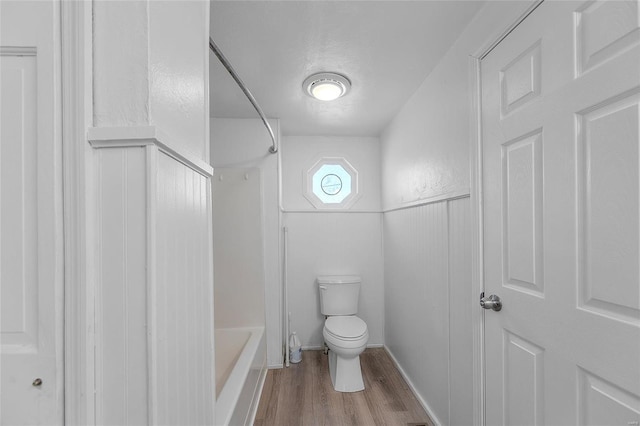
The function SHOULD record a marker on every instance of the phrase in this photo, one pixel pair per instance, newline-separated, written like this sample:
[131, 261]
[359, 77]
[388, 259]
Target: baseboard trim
[421, 400]
[312, 348]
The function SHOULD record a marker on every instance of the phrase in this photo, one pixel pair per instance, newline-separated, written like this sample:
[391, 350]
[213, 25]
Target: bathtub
[241, 367]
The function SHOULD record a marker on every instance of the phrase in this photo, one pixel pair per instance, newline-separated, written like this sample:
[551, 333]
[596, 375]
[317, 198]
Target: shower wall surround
[238, 248]
[241, 144]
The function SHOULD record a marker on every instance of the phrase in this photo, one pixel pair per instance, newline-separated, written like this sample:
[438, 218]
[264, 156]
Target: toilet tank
[339, 294]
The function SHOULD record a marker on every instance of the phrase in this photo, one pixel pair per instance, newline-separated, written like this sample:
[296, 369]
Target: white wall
[425, 149]
[244, 143]
[120, 64]
[151, 68]
[299, 154]
[425, 165]
[179, 72]
[332, 242]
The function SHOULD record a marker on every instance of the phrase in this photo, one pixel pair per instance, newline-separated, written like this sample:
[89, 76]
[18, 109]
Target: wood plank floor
[303, 395]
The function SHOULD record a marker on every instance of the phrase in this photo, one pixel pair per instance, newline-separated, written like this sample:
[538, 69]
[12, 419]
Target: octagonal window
[332, 183]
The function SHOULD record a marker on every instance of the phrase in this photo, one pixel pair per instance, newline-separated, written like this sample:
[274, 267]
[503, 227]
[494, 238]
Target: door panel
[560, 136]
[604, 30]
[19, 246]
[608, 212]
[523, 377]
[30, 217]
[602, 403]
[522, 207]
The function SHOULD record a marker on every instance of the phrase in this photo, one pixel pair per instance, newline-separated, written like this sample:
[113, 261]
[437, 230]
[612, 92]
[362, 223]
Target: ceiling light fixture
[326, 86]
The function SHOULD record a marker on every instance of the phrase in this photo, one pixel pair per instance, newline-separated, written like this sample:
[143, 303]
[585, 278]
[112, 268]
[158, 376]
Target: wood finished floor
[303, 395]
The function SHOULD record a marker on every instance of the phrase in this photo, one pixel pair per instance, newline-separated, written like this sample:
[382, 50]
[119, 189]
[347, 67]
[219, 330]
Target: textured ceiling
[386, 48]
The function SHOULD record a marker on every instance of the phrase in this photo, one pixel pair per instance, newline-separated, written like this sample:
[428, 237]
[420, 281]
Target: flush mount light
[326, 86]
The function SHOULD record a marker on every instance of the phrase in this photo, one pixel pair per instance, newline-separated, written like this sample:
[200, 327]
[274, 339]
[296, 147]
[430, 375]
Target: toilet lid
[346, 327]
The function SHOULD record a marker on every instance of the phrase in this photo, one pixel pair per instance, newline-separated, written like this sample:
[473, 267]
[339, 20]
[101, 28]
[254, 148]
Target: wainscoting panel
[154, 288]
[461, 302]
[181, 302]
[417, 299]
[427, 255]
[121, 287]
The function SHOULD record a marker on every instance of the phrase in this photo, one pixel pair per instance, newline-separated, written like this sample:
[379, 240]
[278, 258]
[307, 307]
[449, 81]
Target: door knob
[491, 302]
[37, 382]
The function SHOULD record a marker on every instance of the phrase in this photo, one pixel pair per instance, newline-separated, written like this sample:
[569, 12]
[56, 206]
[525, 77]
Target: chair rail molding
[123, 137]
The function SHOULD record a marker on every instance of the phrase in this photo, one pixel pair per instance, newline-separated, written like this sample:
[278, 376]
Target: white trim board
[77, 113]
[112, 137]
[333, 211]
[448, 196]
[477, 259]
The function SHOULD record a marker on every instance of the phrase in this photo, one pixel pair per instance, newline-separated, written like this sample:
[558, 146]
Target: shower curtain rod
[273, 148]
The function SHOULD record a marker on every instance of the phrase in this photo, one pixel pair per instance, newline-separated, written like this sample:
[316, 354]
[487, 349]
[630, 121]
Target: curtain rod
[273, 148]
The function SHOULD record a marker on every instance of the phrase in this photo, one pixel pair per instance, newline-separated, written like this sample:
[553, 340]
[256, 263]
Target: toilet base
[346, 374]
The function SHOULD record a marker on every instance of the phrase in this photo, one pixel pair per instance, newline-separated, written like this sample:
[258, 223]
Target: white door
[560, 115]
[30, 216]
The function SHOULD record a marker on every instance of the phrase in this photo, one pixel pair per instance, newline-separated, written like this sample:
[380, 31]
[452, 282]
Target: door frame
[77, 116]
[477, 206]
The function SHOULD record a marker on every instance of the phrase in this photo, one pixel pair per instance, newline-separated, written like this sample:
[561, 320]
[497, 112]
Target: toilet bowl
[344, 333]
[346, 337]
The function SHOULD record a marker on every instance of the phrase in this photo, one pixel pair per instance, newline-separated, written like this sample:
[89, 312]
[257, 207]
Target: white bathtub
[241, 367]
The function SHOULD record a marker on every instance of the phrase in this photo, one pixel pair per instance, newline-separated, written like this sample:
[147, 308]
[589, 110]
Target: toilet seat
[346, 347]
[346, 328]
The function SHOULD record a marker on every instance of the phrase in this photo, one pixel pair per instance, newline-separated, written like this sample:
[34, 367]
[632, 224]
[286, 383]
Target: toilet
[344, 333]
